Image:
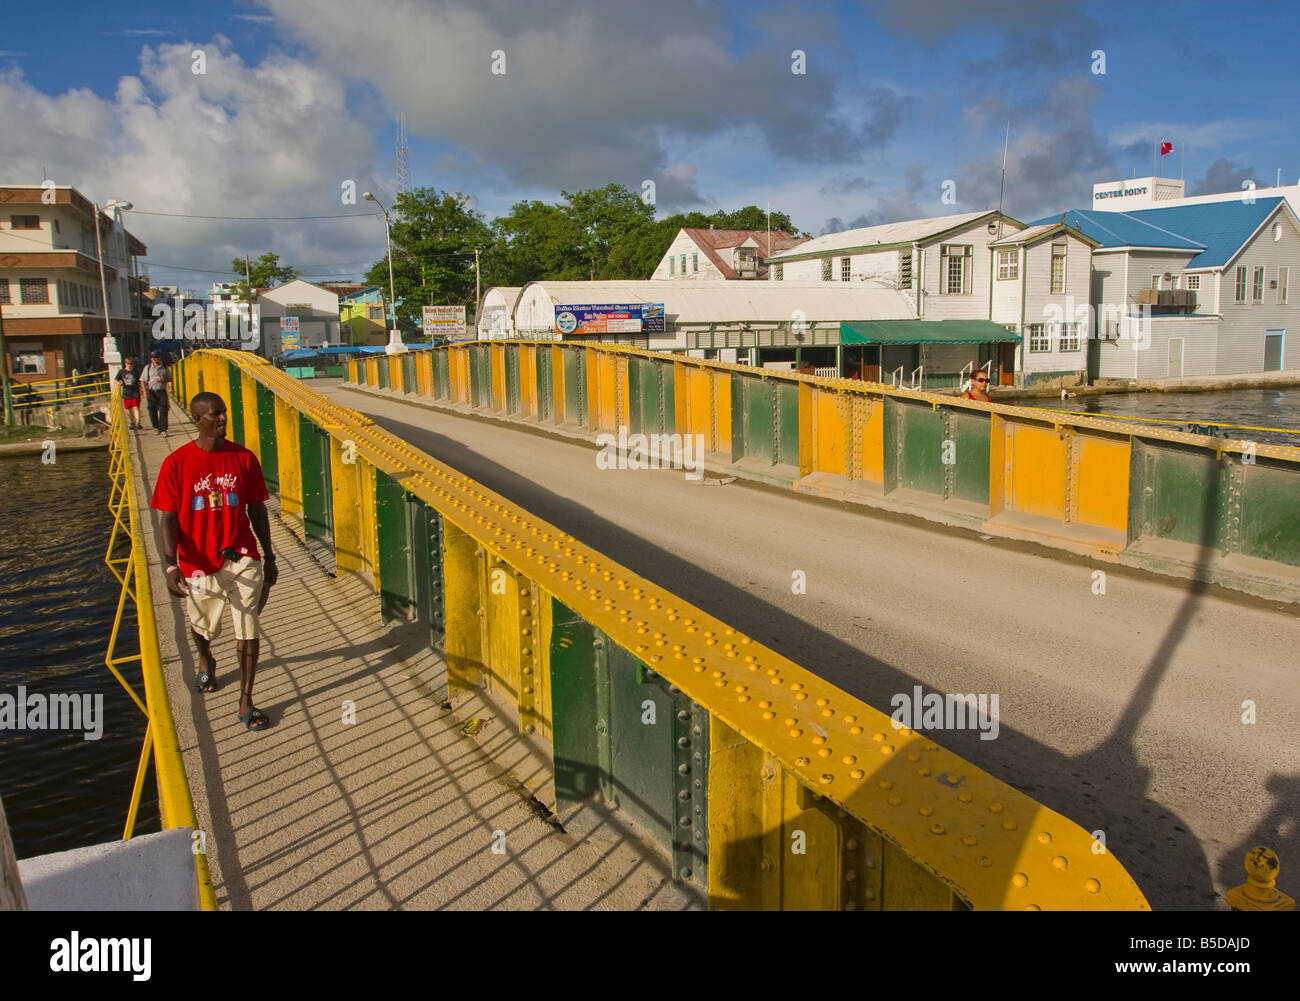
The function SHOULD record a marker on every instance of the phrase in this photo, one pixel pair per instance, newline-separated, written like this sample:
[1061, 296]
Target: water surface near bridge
[57, 602]
[1263, 407]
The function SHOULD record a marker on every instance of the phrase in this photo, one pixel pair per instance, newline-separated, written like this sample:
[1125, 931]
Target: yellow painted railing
[771, 787]
[175, 804]
[47, 392]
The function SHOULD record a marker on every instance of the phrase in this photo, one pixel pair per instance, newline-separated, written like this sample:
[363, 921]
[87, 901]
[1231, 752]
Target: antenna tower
[403, 156]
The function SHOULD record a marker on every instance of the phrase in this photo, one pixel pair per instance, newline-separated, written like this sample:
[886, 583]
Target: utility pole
[4, 370]
[1002, 188]
[248, 281]
[478, 290]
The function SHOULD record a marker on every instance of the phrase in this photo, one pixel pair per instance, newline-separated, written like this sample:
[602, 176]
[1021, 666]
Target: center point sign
[610, 318]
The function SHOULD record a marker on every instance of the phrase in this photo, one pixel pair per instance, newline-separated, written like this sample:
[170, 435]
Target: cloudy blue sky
[897, 97]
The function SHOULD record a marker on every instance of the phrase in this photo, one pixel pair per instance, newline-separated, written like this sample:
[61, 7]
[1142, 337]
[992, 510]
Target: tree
[752, 217]
[434, 236]
[537, 241]
[603, 215]
[265, 272]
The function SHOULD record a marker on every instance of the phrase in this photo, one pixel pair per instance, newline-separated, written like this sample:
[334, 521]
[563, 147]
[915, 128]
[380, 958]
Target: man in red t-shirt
[212, 496]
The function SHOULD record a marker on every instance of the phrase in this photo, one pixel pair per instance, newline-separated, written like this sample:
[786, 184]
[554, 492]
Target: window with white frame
[826, 269]
[28, 363]
[955, 273]
[672, 266]
[904, 269]
[683, 264]
[33, 290]
[1257, 288]
[1155, 281]
[1058, 267]
[846, 268]
[4, 290]
[780, 272]
[1241, 285]
[695, 263]
[1194, 283]
[1008, 265]
[1069, 337]
[1283, 278]
[1040, 338]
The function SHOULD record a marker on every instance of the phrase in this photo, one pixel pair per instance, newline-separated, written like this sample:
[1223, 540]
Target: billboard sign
[447, 322]
[609, 318]
[290, 336]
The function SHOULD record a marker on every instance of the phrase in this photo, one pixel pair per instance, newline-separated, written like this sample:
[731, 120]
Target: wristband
[171, 568]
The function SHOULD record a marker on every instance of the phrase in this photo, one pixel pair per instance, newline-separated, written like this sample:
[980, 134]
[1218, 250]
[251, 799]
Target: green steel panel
[1180, 488]
[383, 371]
[643, 393]
[334, 372]
[575, 386]
[408, 372]
[313, 448]
[920, 437]
[512, 379]
[787, 430]
[426, 532]
[545, 385]
[758, 419]
[1270, 513]
[970, 436]
[235, 405]
[441, 375]
[580, 724]
[269, 456]
[397, 595]
[642, 751]
[480, 376]
[667, 396]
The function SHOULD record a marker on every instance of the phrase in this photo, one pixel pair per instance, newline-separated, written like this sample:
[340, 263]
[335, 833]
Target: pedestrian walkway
[398, 809]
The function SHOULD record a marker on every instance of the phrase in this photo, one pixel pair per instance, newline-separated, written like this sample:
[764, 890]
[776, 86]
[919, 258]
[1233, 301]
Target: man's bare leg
[206, 664]
[248, 651]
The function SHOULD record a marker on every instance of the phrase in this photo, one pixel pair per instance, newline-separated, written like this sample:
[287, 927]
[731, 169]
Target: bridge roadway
[396, 810]
[1122, 711]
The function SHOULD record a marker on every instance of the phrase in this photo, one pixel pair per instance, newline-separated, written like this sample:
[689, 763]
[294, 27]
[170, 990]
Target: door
[1273, 355]
[1006, 365]
[1175, 357]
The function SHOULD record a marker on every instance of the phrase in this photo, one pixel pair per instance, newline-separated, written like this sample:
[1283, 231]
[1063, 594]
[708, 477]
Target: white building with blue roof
[1193, 288]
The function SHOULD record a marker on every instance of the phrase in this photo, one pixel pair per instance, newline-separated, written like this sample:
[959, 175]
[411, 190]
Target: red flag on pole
[1166, 147]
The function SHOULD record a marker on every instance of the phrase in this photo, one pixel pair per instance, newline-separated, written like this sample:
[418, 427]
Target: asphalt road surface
[1123, 711]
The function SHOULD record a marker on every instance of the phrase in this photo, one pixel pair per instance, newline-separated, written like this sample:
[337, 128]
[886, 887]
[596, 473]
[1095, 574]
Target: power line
[260, 218]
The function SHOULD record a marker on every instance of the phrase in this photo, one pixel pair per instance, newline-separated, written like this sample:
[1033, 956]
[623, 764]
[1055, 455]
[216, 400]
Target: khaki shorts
[237, 584]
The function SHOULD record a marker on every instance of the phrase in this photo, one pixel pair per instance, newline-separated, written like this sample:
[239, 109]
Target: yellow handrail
[175, 803]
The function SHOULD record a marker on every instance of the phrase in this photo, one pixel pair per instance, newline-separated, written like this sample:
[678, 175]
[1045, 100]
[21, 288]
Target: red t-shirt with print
[210, 493]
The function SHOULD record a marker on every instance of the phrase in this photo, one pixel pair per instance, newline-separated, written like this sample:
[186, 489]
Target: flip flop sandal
[254, 716]
[206, 682]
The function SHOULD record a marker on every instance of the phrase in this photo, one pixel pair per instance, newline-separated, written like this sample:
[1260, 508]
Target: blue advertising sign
[610, 318]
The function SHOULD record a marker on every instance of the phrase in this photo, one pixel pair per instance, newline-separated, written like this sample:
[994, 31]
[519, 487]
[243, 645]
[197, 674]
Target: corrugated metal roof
[908, 231]
[926, 332]
[728, 301]
[1216, 230]
[712, 240]
[1037, 232]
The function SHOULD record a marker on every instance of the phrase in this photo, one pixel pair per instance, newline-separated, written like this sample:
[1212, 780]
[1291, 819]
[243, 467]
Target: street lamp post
[395, 344]
[112, 356]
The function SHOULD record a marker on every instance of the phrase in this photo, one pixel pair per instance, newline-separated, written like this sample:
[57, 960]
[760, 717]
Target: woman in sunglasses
[979, 388]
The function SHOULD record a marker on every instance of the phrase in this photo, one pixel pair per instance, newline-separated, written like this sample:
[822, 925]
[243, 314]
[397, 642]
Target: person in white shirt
[157, 379]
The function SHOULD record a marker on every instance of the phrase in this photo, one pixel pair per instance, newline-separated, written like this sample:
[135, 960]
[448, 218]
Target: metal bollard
[1259, 892]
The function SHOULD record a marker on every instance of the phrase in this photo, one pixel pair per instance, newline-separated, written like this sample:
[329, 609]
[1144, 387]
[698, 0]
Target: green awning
[925, 332]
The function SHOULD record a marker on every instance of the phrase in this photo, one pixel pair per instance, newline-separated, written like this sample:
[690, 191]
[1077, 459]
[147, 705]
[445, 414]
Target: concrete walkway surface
[395, 810]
